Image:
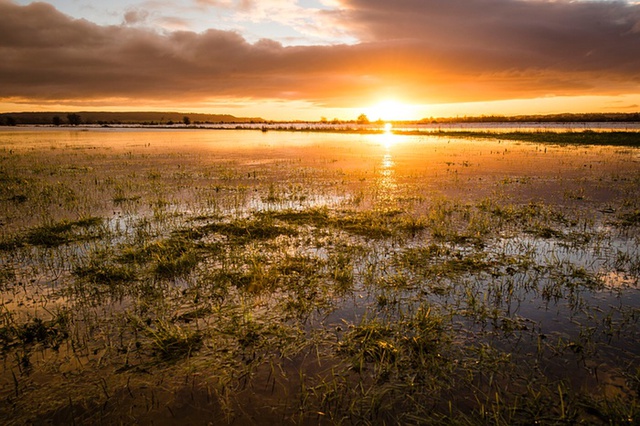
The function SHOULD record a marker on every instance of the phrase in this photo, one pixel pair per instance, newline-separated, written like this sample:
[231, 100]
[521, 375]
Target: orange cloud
[418, 50]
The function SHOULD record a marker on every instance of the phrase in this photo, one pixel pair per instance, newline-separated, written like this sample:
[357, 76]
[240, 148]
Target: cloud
[135, 16]
[152, 14]
[418, 50]
[506, 34]
[309, 22]
[227, 4]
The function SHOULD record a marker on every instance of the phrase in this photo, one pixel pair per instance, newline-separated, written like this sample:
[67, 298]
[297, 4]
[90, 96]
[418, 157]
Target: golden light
[388, 139]
[391, 110]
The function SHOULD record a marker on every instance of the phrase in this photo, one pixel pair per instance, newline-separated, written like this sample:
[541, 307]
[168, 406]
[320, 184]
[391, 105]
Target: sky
[308, 59]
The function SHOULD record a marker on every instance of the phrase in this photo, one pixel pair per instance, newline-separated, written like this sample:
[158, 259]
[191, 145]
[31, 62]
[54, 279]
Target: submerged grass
[50, 333]
[242, 230]
[371, 224]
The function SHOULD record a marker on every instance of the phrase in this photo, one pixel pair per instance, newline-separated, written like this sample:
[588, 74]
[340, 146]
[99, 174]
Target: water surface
[226, 273]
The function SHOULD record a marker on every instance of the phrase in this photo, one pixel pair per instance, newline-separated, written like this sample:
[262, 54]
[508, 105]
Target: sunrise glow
[303, 60]
[391, 110]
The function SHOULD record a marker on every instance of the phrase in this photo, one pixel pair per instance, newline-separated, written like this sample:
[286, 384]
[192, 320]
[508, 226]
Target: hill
[146, 117]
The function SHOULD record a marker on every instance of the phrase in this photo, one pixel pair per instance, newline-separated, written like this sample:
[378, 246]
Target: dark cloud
[494, 35]
[423, 50]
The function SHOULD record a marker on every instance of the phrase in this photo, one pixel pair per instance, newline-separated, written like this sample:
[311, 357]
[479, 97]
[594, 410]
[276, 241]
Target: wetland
[210, 276]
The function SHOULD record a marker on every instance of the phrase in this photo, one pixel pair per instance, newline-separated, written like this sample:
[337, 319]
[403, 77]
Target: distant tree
[186, 120]
[10, 121]
[323, 119]
[362, 119]
[74, 119]
[170, 123]
[56, 120]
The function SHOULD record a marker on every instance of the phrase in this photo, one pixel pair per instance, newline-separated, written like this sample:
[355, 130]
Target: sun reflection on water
[387, 164]
[388, 138]
[386, 182]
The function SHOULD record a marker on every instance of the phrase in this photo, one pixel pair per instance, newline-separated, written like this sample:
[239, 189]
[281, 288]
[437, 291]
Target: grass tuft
[63, 232]
[171, 342]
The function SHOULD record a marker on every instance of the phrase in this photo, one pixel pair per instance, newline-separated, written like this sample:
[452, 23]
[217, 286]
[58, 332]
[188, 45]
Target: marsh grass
[378, 224]
[172, 342]
[48, 333]
[585, 137]
[100, 272]
[629, 218]
[55, 234]
[242, 230]
[308, 285]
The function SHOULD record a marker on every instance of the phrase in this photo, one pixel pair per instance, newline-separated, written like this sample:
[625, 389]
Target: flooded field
[199, 276]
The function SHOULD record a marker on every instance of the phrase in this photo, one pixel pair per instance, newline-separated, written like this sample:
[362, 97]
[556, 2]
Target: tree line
[115, 118]
[549, 118]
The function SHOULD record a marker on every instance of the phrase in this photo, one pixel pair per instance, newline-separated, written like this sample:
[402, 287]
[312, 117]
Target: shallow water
[234, 270]
[498, 127]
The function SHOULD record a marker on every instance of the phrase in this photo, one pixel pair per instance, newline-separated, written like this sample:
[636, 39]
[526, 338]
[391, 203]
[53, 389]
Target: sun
[390, 110]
